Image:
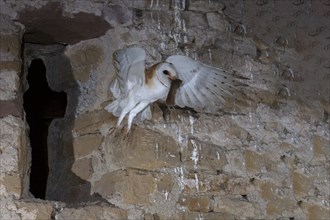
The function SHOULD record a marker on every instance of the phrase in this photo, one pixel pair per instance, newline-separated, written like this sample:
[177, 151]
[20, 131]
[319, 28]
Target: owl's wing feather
[203, 87]
[130, 67]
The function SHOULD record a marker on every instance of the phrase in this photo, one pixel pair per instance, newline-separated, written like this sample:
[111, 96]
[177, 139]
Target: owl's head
[166, 73]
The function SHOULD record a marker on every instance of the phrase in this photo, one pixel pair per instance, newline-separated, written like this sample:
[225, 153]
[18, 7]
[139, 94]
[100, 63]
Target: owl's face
[166, 73]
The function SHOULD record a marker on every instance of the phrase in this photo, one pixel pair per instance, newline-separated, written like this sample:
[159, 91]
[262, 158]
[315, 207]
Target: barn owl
[194, 84]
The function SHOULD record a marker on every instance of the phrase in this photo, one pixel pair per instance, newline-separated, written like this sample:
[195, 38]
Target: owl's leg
[134, 112]
[130, 105]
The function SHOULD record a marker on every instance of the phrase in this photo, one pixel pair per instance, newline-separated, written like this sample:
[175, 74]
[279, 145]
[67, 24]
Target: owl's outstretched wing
[204, 88]
[130, 67]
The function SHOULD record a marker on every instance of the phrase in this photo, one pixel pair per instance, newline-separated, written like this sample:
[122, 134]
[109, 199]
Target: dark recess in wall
[41, 105]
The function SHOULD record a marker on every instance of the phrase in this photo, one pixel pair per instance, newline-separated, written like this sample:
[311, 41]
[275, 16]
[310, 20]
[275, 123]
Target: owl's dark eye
[166, 72]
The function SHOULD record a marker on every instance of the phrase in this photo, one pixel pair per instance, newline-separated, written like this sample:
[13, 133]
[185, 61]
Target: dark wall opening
[41, 105]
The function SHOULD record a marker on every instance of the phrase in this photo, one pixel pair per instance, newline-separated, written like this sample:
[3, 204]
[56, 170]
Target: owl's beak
[172, 77]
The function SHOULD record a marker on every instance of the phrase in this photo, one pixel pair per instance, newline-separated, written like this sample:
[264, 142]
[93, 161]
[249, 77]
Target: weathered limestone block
[315, 211]
[154, 20]
[84, 59]
[11, 184]
[221, 131]
[245, 46]
[218, 183]
[236, 163]
[92, 212]
[263, 162]
[164, 182]
[200, 5]
[140, 187]
[10, 47]
[90, 122]
[150, 150]
[236, 186]
[135, 187]
[141, 4]
[11, 210]
[86, 144]
[83, 168]
[234, 207]
[111, 184]
[203, 156]
[302, 184]
[9, 85]
[197, 203]
[268, 189]
[215, 184]
[13, 146]
[117, 15]
[194, 19]
[187, 215]
[42, 210]
[217, 21]
[11, 107]
[14, 66]
[321, 148]
[281, 207]
[278, 203]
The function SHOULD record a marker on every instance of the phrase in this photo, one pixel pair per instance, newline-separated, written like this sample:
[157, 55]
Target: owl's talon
[126, 132]
[111, 130]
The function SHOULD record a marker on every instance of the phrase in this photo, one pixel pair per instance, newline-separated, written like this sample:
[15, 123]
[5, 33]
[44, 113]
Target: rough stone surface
[234, 207]
[9, 82]
[10, 47]
[92, 212]
[86, 144]
[11, 107]
[12, 184]
[217, 22]
[90, 56]
[12, 149]
[83, 168]
[140, 186]
[111, 183]
[156, 151]
[197, 204]
[42, 210]
[264, 156]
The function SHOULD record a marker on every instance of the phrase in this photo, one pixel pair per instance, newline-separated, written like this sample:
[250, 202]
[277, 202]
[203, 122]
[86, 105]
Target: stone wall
[264, 158]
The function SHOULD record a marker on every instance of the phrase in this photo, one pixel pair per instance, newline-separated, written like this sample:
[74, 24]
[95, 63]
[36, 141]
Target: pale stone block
[197, 203]
[233, 207]
[86, 144]
[84, 59]
[83, 168]
[10, 47]
[92, 212]
[41, 210]
[12, 184]
[153, 151]
[9, 85]
[217, 21]
[110, 184]
[140, 187]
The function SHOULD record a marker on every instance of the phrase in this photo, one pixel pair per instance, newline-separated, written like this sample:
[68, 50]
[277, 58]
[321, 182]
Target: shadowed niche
[48, 25]
[51, 117]
[41, 105]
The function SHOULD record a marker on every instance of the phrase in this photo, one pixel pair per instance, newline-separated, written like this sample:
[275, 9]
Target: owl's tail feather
[114, 107]
[117, 106]
[145, 114]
